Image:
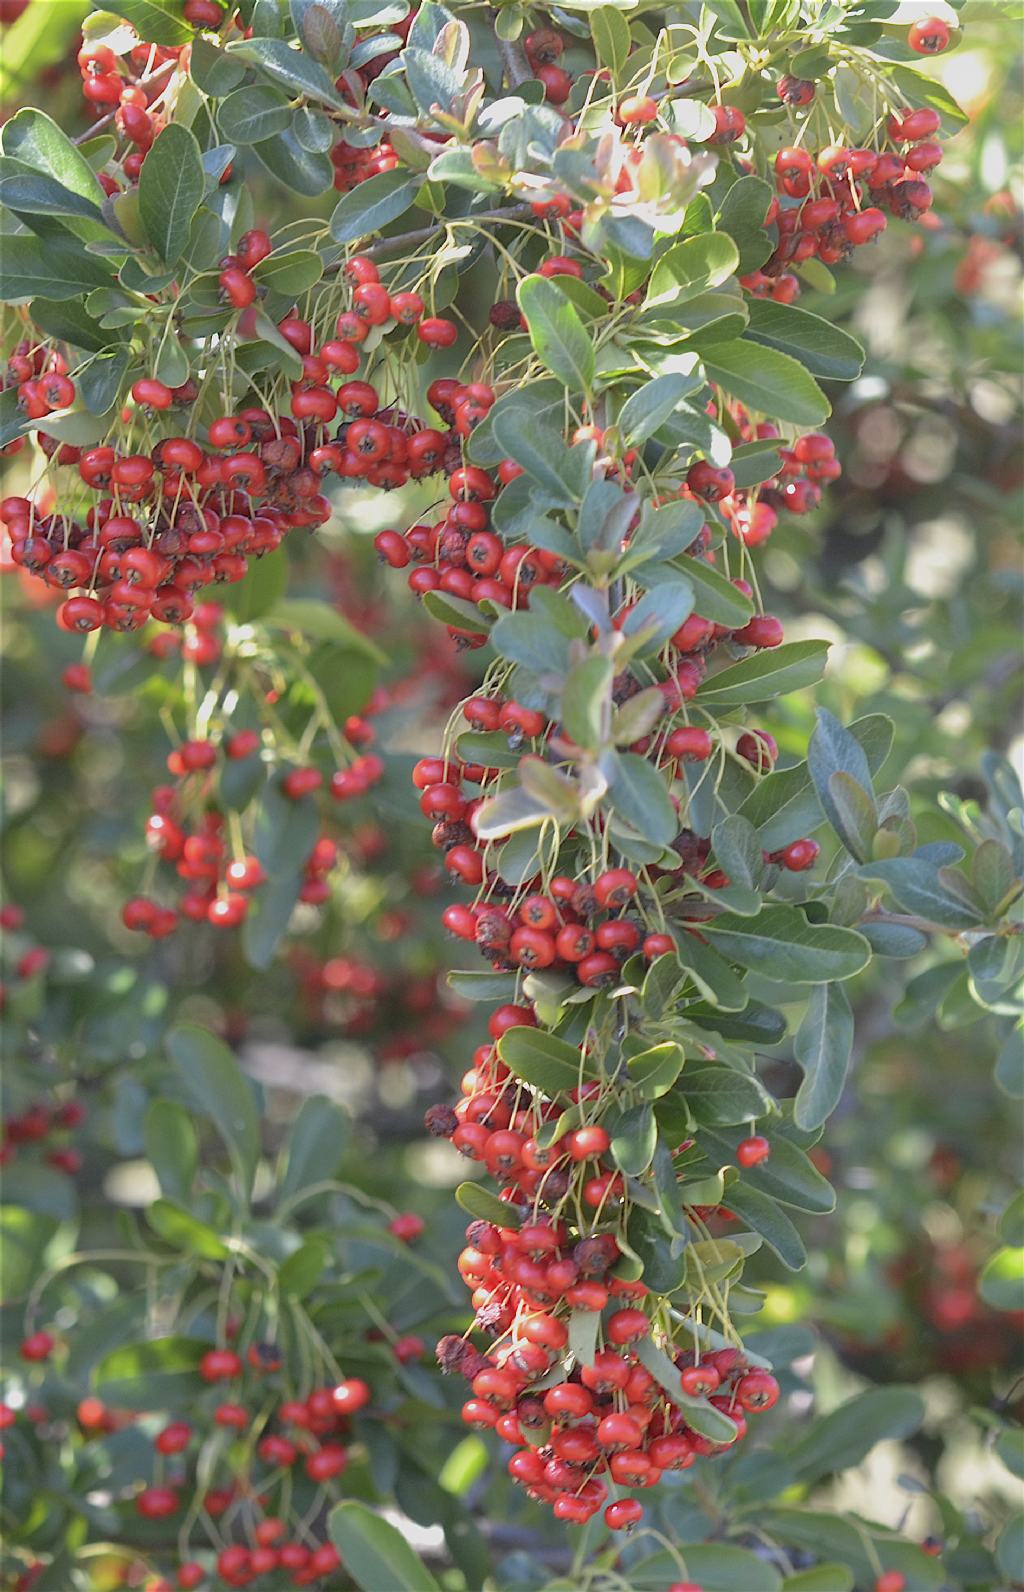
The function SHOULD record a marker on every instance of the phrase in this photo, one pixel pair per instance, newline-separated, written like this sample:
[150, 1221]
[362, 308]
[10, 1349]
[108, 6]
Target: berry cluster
[39, 1124]
[295, 1451]
[549, 1295]
[836, 201]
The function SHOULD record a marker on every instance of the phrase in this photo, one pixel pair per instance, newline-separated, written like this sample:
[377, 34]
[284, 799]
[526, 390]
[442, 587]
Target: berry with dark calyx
[928, 37]
[708, 483]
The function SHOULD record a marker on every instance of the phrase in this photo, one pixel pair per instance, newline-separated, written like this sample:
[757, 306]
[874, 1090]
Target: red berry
[751, 1152]
[37, 1346]
[708, 483]
[219, 1365]
[619, 1516]
[929, 37]
[799, 854]
[155, 1503]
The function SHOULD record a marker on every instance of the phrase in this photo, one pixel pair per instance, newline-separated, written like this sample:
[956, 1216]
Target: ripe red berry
[928, 37]
[626, 1326]
[799, 854]
[708, 483]
[37, 1346]
[890, 1581]
[408, 1226]
[636, 110]
[689, 743]
[174, 1439]
[620, 1516]
[156, 1503]
[756, 1390]
[751, 1152]
[219, 1365]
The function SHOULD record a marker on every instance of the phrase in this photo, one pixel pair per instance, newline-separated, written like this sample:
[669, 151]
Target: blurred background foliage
[913, 569]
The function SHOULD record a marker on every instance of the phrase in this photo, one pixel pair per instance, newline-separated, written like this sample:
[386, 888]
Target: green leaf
[781, 944]
[639, 795]
[217, 1087]
[585, 696]
[915, 90]
[822, 1044]
[583, 1330]
[654, 1071]
[1010, 1548]
[374, 1553]
[291, 273]
[293, 69]
[70, 322]
[657, 616]
[634, 1138]
[820, 1578]
[823, 349]
[715, 597]
[647, 409]
[1009, 1073]
[320, 622]
[703, 1417]
[25, 1236]
[299, 1274]
[1011, 1222]
[315, 1146]
[721, 1097]
[1010, 1448]
[916, 886]
[35, 193]
[772, 383]
[847, 1435]
[711, 974]
[690, 268]
[171, 1147]
[36, 140]
[300, 170]
[485, 1206]
[763, 1216]
[213, 70]
[373, 204]
[646, 1239]
[712, 1566]
[559, 338]
[456, 612]
[49, 268]
[264, 585]
[561, 472]
[754, 462]
[742, 217]
[171, 189]
[185, 1231]
[788, 1175]
[325, 29]
[992, 871]
[738, 850]
[156, 21]
[610, 32]
[542, 1059]
[1001, 1283]
[766, 675]
[264, 927]
[160, 1373]
[253, 113]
